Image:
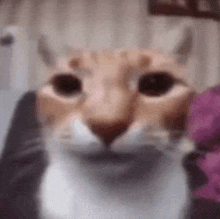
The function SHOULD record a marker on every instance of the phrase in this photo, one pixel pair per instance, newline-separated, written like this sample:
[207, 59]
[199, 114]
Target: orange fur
[107, 101]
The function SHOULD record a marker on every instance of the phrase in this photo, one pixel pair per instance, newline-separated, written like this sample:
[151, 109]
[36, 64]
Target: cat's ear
[46, 52]
[51, 54]
[175, 38]
[183, 48]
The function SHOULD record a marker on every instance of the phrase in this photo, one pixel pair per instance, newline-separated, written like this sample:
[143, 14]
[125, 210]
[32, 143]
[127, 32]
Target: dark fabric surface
[20, 175]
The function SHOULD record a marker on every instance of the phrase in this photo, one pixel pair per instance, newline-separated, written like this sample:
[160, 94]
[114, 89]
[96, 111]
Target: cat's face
[118, 101]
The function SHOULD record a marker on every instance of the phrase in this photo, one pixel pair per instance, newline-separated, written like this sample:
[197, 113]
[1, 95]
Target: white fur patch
[83, 139]
[57, 195]
[67, 193]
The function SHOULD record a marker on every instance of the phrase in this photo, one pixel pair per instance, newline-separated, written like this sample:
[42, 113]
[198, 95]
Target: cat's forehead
[135, 57]
[113, 61]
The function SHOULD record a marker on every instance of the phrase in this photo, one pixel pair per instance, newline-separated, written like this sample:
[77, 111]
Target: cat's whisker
[25, 153]
[33, 141]
[173, 153]
[24, 171]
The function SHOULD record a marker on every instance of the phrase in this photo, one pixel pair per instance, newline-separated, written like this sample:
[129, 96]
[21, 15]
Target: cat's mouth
[109, 157]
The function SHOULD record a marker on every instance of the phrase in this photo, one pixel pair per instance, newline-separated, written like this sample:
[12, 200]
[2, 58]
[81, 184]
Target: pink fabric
[204, 125]
[210, 165]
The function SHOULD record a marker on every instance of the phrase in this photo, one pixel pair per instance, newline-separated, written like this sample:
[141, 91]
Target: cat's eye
[155, 83]
[66, 84]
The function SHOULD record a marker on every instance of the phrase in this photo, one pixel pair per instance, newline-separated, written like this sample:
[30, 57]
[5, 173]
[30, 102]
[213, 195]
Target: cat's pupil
[66, 84]
[155, 84]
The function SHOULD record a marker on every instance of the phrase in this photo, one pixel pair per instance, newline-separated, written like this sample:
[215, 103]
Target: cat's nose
[108, 132]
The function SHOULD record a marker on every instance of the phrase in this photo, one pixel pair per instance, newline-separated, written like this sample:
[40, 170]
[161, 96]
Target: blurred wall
[8, 101]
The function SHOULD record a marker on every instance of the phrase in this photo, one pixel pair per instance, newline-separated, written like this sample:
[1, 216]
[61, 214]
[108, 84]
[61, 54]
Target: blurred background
[97, 24]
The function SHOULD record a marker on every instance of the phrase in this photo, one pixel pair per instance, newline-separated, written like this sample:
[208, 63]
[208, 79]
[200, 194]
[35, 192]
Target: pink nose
[108, 132]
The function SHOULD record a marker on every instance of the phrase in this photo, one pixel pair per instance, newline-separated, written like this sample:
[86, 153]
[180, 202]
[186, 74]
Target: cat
[115, 136]
[112, 136]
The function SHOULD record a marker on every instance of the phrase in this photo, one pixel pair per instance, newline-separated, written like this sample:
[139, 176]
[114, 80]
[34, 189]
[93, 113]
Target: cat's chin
[117, 166]
[114, 155]
[108, 157]
[143, 155]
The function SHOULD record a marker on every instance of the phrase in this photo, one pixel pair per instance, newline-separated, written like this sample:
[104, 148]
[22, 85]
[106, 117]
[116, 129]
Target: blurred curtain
[96, 24]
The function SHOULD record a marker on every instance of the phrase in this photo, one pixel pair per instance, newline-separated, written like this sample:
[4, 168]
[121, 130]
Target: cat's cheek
[83, 140]
[176, 118]
[129, 142]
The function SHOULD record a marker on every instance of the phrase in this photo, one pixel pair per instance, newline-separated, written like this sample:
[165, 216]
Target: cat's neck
[141, 168]
[147, 171]
[154, 182]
